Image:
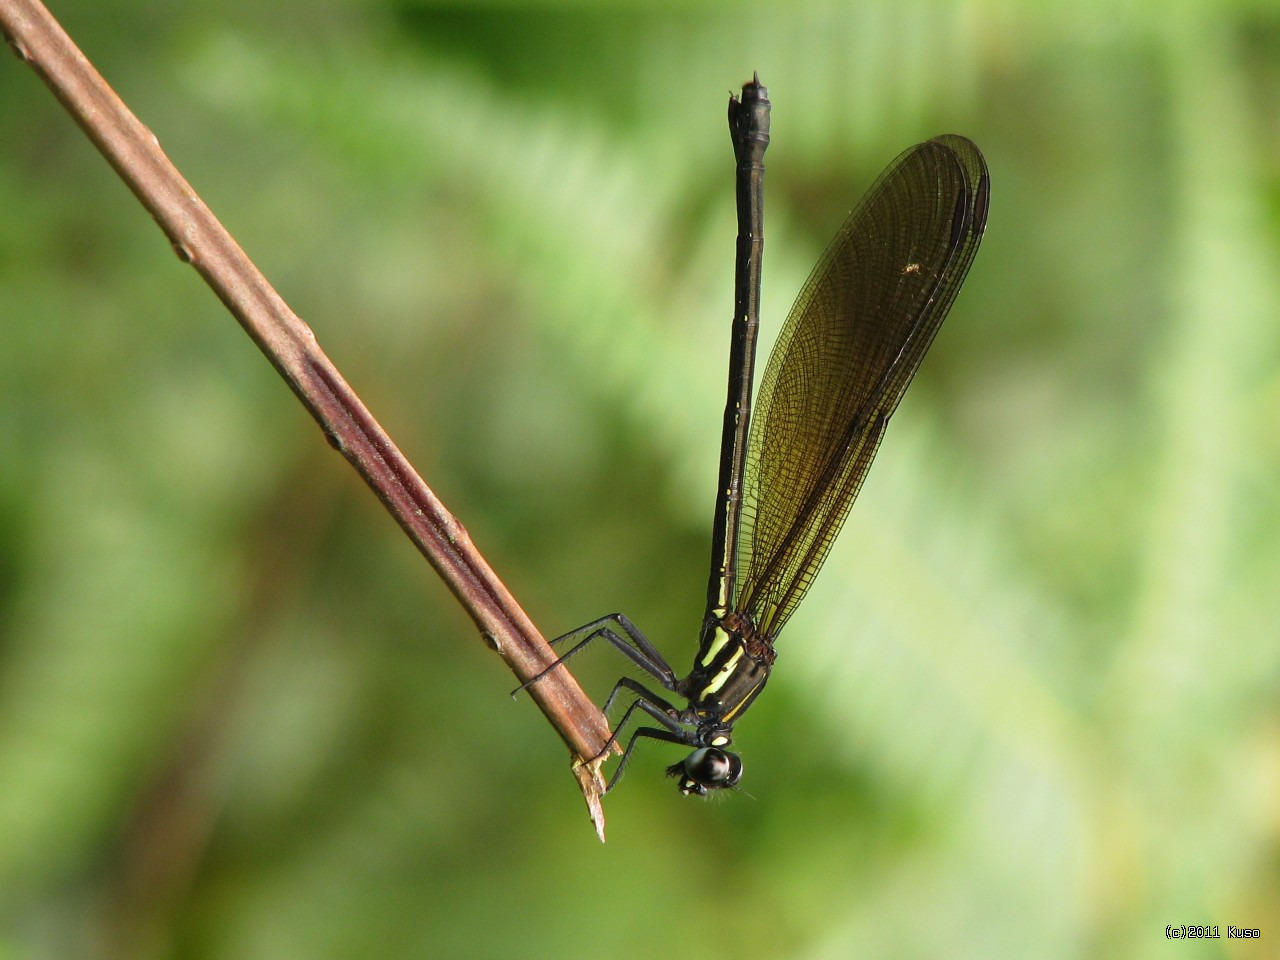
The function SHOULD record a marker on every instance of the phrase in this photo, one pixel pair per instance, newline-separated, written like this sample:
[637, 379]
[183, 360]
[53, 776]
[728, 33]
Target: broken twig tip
[591, 783]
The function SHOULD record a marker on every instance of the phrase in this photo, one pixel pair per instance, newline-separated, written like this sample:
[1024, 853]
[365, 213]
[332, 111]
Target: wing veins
[938, 188]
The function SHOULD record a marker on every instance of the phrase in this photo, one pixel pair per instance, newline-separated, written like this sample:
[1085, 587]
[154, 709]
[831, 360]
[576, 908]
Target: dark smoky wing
[847, 352]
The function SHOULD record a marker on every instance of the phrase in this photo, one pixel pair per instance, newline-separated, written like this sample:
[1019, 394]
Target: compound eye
[712, 767]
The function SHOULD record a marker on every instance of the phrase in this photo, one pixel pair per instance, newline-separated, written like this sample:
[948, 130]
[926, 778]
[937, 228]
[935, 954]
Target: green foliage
[1029, 709]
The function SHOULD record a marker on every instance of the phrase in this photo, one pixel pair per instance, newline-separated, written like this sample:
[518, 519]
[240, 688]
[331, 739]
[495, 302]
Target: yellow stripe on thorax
[725, 672]
[721, 638]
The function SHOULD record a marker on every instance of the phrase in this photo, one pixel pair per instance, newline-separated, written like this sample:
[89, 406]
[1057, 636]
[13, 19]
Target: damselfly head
[707, 768]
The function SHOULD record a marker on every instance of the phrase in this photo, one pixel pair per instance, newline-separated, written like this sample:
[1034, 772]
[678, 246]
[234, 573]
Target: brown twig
[289, 344]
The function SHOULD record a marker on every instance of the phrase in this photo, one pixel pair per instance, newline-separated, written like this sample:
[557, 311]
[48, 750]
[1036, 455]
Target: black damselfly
[846, 354]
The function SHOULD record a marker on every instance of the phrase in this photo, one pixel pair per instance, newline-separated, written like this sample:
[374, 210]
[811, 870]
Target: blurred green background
[1028, 710]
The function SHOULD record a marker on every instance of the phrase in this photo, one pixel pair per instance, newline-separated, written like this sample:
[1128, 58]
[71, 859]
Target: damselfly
[847, 352]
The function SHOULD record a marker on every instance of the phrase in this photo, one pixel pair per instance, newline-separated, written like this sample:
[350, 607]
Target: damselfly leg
[636, 646]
